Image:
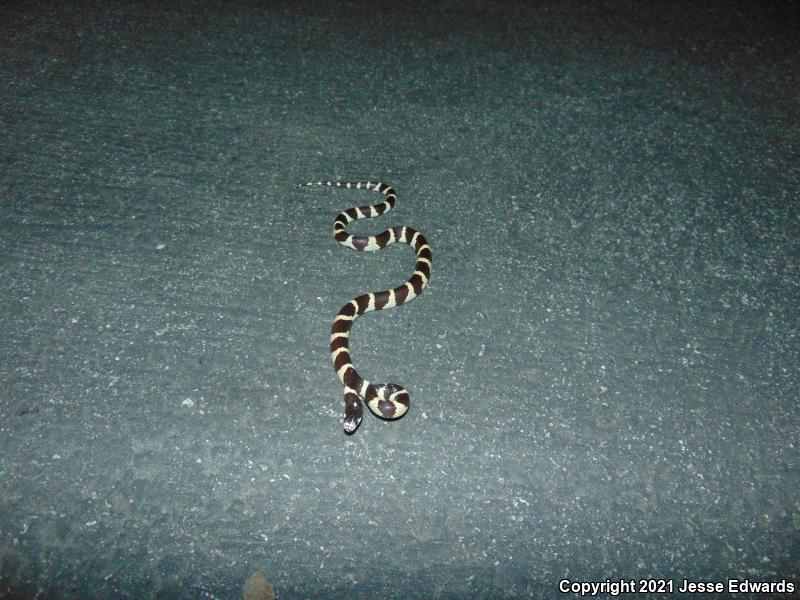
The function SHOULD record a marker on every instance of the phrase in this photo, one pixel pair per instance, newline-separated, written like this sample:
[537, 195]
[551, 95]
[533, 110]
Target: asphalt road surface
[603, 369]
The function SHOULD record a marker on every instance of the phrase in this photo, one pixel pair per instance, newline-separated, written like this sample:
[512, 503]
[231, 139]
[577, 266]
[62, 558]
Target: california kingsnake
[387, 400]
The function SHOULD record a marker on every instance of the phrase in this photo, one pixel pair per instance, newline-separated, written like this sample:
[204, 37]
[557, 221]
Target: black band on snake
[386, 400]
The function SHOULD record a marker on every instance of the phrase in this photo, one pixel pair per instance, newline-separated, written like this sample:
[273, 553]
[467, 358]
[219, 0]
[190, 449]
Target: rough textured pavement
[604, 368]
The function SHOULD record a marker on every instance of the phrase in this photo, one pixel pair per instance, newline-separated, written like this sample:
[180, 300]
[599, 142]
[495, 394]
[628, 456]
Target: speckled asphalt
[604, 368]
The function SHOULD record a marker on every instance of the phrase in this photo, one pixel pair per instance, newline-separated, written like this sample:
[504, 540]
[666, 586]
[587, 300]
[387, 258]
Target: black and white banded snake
[386, 400]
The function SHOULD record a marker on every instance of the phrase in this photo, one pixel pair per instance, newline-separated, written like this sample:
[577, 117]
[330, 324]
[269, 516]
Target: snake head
[353, 412]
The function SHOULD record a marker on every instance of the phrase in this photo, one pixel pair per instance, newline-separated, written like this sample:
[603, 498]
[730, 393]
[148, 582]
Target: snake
[385, 400]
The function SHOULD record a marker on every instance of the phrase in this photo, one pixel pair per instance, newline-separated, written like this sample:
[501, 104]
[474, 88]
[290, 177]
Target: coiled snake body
[386, 400]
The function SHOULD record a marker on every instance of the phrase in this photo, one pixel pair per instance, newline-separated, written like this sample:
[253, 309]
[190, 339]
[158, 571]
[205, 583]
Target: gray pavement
[604, 368]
